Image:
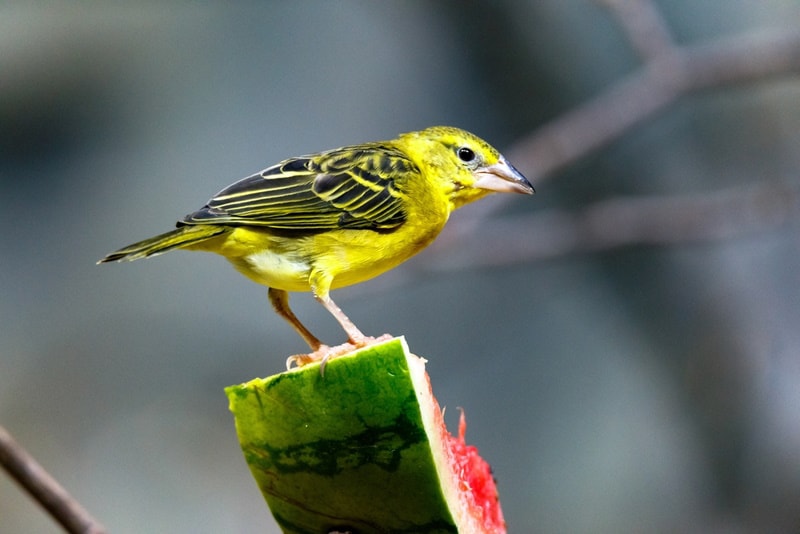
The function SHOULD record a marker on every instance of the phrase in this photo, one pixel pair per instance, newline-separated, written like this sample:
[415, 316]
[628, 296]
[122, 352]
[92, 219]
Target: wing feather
[351, 187]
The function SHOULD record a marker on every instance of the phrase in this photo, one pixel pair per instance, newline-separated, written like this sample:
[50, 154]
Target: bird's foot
[325, 353]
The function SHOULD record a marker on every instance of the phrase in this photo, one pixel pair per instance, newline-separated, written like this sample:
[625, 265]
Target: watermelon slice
[362, 449]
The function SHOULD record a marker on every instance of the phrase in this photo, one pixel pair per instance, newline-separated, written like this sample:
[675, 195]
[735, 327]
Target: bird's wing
[351, 187]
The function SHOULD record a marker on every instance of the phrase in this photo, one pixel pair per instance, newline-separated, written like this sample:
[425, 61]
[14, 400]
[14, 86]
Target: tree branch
[44, 488]
[669, 72]
[658, 84]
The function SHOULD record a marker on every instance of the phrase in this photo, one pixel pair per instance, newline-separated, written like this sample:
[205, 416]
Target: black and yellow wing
[358, 187]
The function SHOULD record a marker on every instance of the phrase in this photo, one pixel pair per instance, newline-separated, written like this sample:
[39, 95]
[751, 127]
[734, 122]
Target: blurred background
[632, 389]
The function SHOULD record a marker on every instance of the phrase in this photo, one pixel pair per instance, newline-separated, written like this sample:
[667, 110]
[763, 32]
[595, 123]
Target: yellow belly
[349, 256]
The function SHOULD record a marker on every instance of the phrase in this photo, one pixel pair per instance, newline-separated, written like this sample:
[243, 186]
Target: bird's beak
[503, 178]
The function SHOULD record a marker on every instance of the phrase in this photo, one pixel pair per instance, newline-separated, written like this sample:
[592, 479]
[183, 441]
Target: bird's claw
[325, 353]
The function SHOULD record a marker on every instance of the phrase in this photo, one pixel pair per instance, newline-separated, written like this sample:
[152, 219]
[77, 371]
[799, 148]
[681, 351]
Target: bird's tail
[181, 237]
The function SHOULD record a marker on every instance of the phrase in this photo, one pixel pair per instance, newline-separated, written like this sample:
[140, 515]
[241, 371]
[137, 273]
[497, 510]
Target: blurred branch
[658, 84]
[44, 488]
[668, 73]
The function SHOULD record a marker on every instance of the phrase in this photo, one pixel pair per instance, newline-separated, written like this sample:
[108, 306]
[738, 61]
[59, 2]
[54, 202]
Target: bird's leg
[320, 287]
[355, 339]
[280, 301]
[354, 335]
[320, 282]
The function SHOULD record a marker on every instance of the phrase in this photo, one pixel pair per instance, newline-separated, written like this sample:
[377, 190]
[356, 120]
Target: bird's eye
[466, 154]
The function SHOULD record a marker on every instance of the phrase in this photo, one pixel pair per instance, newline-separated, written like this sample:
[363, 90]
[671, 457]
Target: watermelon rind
[361, 448]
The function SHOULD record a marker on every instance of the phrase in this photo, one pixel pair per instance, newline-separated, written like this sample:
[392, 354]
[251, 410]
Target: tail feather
[178, 238]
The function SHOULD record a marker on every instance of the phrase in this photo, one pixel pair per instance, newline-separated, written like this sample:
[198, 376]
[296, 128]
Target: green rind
[346, 451]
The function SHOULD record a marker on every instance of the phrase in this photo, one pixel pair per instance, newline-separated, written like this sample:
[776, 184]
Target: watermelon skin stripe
[378, 446]
[349, 451]
[432, 528]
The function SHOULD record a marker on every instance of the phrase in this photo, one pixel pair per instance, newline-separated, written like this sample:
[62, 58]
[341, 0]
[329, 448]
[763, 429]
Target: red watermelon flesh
[476, 481]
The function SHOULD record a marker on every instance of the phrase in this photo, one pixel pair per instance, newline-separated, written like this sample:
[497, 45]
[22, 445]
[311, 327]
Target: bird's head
[465, 166]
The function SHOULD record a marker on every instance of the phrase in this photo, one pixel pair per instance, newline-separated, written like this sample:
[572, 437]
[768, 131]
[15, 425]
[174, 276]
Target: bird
[339, 217]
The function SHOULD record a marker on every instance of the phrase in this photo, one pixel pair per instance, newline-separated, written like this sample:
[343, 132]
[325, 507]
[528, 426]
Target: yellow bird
[339, 217]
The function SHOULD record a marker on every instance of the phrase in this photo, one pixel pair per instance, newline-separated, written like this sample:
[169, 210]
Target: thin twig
[44, 488]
